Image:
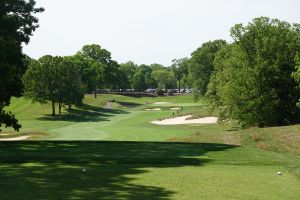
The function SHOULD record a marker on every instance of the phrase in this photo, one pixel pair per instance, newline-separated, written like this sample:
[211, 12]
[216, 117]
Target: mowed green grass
[144, 170]
[210, 161]
[128, 121]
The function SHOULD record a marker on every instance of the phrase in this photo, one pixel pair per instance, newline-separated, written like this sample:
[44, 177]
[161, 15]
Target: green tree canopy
[201, 65]
[128, 69]
[296, 74]
[17, 23]
[180, 70]
[95, 52]
[252, 83]
[87, 69]
[143, 79]
[102, 71]
[53, 79]
[164, 77]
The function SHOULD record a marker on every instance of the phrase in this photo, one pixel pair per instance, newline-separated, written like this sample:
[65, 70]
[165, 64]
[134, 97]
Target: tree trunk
[53, 108]
[179, 86]
[70, 106]
[59, 108]
[95, 92]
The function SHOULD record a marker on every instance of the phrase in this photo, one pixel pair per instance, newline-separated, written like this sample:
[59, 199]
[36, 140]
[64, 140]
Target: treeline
[65, 80]
[254, 80]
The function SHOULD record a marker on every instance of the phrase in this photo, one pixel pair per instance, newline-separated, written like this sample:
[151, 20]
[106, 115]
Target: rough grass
[278, 139]
[284, 139]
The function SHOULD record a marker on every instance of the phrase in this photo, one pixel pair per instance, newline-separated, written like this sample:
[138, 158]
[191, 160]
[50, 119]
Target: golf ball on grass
[279, 173]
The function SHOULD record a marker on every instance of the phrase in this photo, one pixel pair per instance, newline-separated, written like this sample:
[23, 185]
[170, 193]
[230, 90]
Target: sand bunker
[15, 139]
[185, 120]
[153, 109]
[175, 108]
[159, 103]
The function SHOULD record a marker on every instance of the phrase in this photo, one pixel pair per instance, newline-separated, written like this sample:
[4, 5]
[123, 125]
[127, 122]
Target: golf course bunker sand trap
[153, 109]
[15, 139]
[176, 108]
[160, 103]
[185, 120]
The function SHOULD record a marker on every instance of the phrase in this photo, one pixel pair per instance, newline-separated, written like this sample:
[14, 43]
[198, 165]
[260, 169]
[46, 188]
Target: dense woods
[252, 82]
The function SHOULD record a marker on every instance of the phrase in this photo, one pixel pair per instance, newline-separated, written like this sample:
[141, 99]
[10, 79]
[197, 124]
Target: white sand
[15, 139]
[153, 109]
[184, 120]
[175, 108]
[159, 103]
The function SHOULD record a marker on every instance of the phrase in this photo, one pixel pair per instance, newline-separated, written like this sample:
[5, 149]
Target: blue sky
[146, 31]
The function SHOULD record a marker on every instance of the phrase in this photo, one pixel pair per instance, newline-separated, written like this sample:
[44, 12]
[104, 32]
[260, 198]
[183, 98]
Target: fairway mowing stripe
[90, 128]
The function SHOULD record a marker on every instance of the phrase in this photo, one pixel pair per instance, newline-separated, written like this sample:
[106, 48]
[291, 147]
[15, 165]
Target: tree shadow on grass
[53, 170]
[233, 129]
[85, 113]
[137, 94]
[128, 104]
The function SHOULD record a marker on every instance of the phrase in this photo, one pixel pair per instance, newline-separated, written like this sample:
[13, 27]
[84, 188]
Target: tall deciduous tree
[86, 69]
[143, 78]
[113, 76]
[180, 69]
[70, 89]
[201, 65]
[128, 69]
[106, 71]
[138, 81]
[163, 77]
[17, 23]
[53, 79]
[253, 81]
[296, 74]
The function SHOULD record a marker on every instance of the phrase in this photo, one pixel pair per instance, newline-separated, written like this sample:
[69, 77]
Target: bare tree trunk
[179, 86]
[53, 107]
[59, 108]
[70, 106]
[95, 92]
